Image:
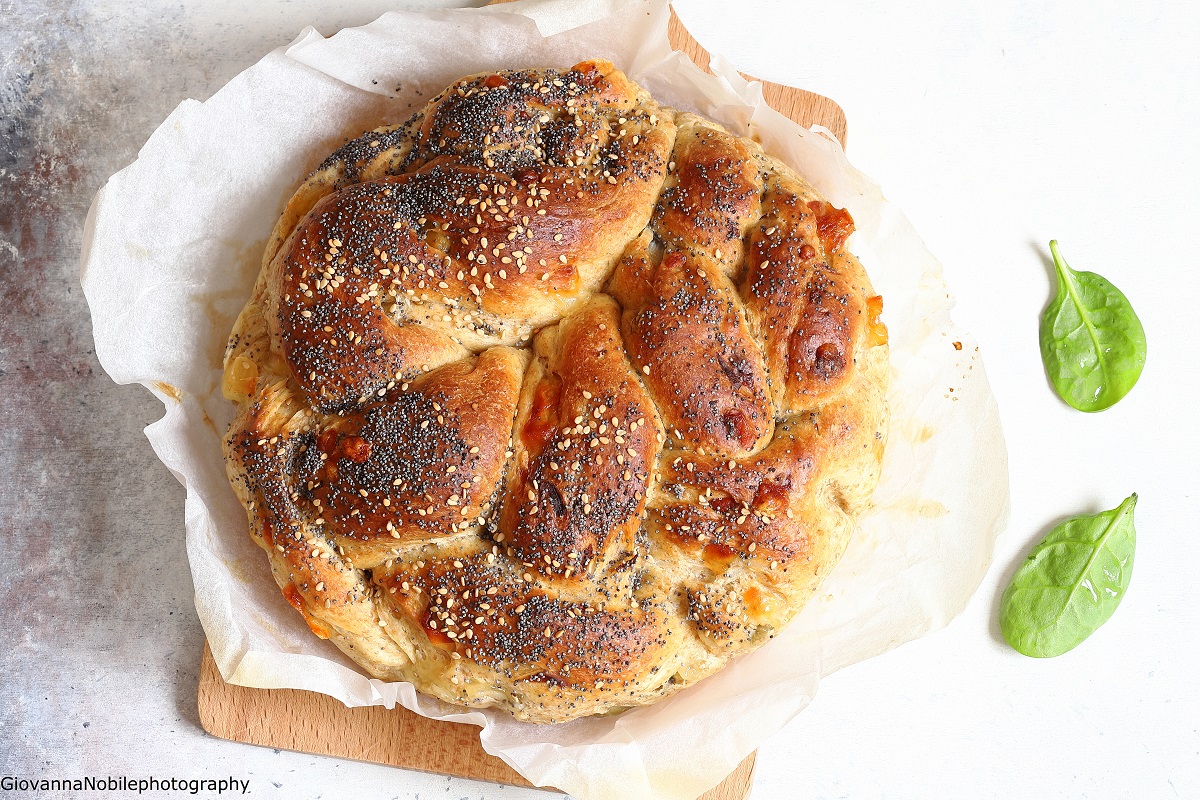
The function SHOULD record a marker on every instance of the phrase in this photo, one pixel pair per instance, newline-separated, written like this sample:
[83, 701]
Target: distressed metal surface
[99, 642]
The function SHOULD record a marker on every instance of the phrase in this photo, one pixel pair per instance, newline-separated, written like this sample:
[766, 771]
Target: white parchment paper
[172, 248]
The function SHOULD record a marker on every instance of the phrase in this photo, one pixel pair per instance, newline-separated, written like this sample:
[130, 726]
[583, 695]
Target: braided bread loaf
[553, 399]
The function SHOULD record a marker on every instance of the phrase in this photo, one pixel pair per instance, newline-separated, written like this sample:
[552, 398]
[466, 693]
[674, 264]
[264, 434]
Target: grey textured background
[99, 642]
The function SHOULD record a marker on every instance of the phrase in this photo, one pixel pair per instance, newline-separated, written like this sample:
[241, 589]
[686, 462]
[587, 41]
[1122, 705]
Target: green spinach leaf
[1071, 583]
[1093, 344]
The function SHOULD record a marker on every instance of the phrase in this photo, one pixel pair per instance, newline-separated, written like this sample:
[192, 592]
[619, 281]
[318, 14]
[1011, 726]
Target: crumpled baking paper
[172, 248]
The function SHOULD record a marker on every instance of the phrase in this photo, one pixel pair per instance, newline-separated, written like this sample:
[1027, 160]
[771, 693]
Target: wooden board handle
[291, 719]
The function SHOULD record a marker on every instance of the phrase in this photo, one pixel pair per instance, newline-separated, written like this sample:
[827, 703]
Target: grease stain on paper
[919, 507]
[222, 307]
[173, 392]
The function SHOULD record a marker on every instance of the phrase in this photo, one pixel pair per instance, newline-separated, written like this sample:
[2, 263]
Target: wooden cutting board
[290, 719]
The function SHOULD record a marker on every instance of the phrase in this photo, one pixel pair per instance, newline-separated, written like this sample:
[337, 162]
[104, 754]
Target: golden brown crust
[422, 463]
[487, 614]
[686, 332]
[585, 455]
[509, 209]
[657, 483]
[712, 193]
